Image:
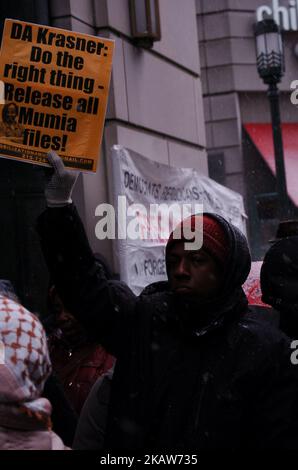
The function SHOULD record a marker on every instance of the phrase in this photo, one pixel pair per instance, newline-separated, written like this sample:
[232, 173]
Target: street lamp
[145, 22]
[271, 67]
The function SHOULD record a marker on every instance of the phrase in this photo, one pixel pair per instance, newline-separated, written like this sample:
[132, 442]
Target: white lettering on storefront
[285, 17]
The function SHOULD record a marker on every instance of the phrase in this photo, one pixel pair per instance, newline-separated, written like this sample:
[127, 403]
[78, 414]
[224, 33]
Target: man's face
[11, 114]
[194, 273]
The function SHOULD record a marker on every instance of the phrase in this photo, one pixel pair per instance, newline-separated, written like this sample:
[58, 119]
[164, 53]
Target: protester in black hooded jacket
[193, 371]
[279, 283]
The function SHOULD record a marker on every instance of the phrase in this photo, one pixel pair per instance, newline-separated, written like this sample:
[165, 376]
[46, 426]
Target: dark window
[35, 11]
[22, 198]
[216, 167]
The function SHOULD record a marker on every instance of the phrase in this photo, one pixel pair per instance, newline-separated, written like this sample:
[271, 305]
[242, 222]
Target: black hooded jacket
[188, 376]
[279, 283]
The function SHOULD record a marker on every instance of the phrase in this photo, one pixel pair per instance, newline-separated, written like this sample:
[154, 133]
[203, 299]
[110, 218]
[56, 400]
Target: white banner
[161, 189]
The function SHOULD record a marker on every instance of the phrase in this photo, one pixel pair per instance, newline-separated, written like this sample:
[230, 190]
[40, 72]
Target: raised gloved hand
[60, 186]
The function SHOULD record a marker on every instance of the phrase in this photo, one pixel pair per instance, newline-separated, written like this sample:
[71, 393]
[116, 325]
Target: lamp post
[270, 65]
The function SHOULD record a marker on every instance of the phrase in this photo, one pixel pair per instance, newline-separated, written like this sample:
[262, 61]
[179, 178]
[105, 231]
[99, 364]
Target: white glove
[60, 186]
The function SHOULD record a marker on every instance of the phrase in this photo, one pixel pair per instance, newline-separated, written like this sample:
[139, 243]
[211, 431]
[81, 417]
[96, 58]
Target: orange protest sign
[56, 92]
